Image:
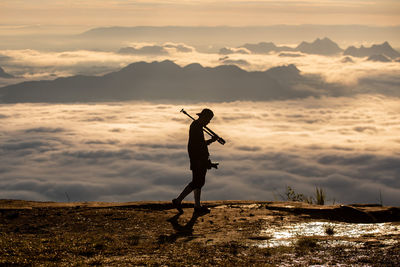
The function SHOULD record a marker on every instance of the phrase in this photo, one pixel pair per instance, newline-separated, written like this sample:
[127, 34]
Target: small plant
[291, 195]
[319, 196]
[329, 229]
[308, 200]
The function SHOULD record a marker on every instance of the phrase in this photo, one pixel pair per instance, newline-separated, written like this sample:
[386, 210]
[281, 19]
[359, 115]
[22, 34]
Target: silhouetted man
[199, 161]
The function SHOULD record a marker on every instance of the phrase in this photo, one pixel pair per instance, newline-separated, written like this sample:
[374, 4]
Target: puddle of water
[288, 234]
[245, 206]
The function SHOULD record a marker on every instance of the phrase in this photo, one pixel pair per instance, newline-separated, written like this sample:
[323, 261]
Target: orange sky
[195, 13]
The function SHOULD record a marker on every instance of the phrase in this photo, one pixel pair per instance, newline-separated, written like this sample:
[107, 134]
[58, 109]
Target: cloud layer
[137, 151]
[36, 65]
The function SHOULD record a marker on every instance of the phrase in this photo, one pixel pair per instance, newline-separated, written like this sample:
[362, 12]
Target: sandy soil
[154, 234]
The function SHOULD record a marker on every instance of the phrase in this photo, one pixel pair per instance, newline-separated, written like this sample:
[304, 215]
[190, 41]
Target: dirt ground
[154, 234]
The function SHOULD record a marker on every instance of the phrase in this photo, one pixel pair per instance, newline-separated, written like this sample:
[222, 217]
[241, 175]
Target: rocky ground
[234, 233]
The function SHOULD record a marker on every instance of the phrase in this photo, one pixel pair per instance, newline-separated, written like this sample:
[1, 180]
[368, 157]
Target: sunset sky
[195, 13]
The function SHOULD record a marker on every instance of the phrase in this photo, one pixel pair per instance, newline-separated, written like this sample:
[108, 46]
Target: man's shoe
[202, 210]
[177, 205]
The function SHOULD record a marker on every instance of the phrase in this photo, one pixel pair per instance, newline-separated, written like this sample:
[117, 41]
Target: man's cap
[206, 112]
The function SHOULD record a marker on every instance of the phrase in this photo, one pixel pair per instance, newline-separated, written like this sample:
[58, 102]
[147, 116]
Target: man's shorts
[198, 178]
[199, 170]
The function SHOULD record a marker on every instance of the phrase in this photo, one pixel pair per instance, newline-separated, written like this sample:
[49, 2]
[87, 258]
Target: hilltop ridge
[361, 213]
[152, 233]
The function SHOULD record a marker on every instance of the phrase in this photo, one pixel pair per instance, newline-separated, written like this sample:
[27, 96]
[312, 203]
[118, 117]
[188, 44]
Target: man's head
[205, 116]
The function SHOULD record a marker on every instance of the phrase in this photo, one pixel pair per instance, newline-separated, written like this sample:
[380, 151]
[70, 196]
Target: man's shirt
[197, 146]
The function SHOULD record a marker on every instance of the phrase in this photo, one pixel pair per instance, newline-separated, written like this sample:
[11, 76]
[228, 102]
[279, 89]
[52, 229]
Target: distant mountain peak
[384, 45]
[324, 40]
[166, 63]
[287, 68]
[193, 66]
[384, 49]
[285, 71]
[319, 46]
[264, 48]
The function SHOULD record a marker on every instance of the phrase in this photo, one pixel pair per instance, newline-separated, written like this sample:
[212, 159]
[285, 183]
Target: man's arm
[212, 140]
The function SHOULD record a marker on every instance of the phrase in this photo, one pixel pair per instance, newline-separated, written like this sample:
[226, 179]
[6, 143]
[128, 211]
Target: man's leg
[195, 185]
[176, 202]
[197, 207]
[188, 189]
[197, 194]
[200, 180]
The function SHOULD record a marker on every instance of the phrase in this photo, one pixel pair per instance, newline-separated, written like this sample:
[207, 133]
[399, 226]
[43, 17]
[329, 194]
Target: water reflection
[288, 234]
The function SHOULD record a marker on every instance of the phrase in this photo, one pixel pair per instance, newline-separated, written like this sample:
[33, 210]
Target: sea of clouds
[132, 151]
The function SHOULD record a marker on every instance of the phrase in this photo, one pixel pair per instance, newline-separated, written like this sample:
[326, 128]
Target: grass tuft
[319, 196]
[329, 230]
[291, 195]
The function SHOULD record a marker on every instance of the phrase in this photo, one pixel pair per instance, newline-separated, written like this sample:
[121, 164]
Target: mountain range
[323, 46]
[233, 36]
[169, 81]
[319, 46]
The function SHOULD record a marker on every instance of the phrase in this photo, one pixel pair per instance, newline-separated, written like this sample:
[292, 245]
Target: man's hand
[214, 138]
